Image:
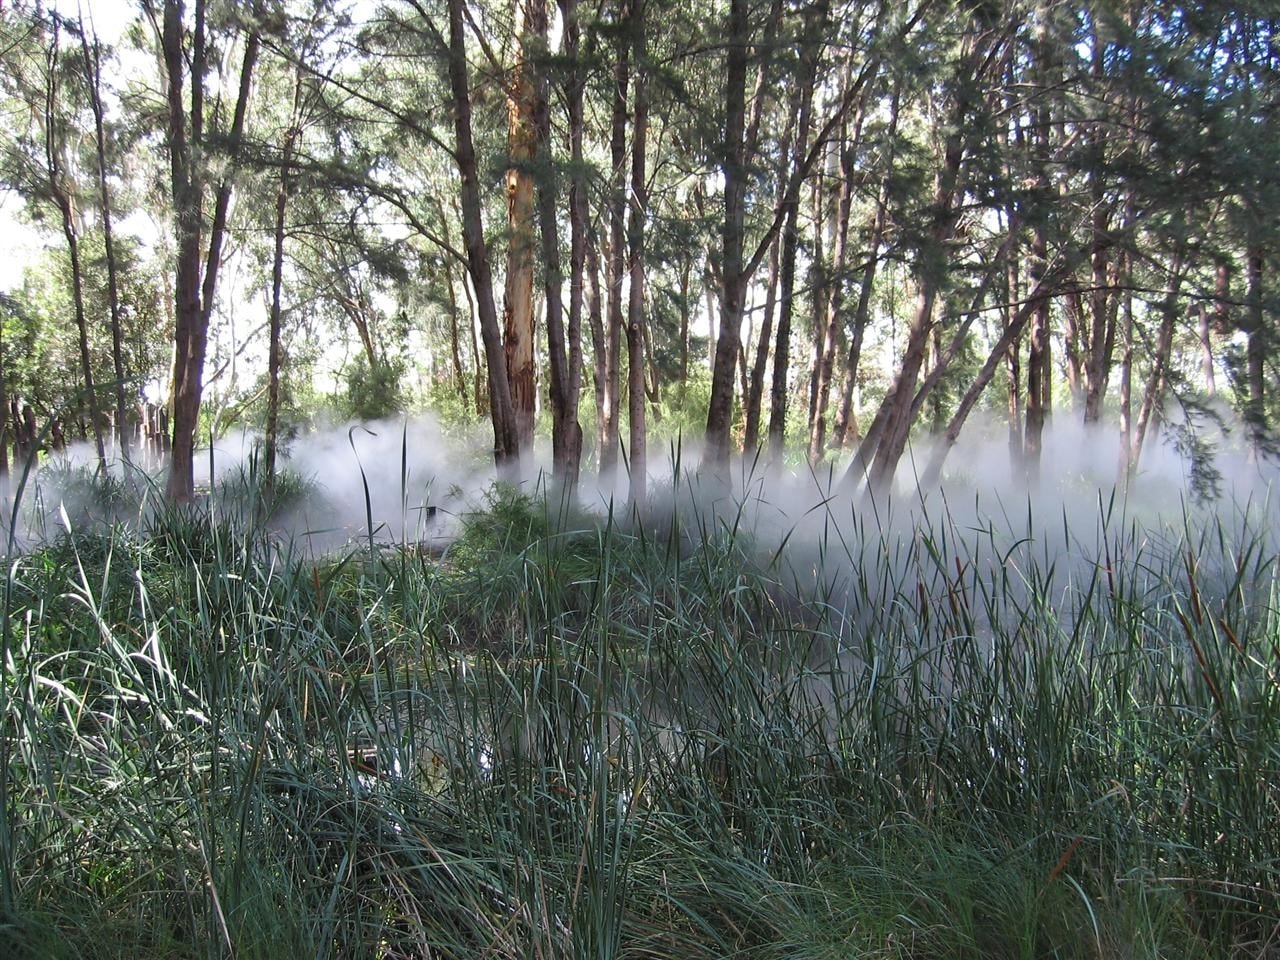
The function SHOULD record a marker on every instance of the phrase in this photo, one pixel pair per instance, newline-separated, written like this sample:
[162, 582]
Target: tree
[636, 392]
[92, 63]
[506, 431]
[190, 141]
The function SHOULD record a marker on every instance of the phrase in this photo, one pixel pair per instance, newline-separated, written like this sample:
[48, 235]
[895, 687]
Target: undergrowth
[578, 736]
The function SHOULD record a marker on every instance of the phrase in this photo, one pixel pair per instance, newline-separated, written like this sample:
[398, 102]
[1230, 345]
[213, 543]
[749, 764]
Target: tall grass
[901, 736]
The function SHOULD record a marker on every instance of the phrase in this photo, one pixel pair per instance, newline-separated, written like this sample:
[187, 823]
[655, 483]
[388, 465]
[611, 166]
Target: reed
[897, 733]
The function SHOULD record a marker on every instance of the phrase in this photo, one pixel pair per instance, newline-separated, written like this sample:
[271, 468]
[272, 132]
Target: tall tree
[811, 53]
[62, 192]
[616, 258]
[506, 431]
[733, 272]
[980, 48]
[636, 366]
[518, 325]
[575, 86]
[92, 54]
[191, 147]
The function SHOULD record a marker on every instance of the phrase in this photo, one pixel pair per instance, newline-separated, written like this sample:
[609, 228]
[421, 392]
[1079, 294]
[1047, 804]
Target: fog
[411, 480]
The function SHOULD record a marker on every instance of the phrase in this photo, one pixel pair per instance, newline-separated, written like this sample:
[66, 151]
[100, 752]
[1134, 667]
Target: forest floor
[591, 736]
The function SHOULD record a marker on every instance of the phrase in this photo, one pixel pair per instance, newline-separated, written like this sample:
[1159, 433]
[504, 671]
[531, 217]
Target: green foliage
[683, 409]
[40, 350]
[91, 497]
[245, 492]
[456, 414]
[374, 392]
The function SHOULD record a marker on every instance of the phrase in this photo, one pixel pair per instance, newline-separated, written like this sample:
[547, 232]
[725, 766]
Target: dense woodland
[818, 229]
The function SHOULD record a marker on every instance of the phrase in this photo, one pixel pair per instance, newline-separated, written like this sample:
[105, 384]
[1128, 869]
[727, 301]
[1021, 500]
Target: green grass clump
[596, 737]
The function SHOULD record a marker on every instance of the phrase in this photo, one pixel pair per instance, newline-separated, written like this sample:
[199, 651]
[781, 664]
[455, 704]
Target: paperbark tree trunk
[636, 393]
[595, 322]
[275, 350]
[1013, 364]
[506, 435]
[835, 308]
[1153, 397]
[841, 434]
[60, 190]
[6, 433]
[733, 279]
[455, 335]
[803, 104]
[755, 385]
[898, 404]
[609, 422]
[566, 434]
[1206, 353]
[93, 76]
[1105, 268]
[1126, 386]
[1013, 329]
[195, 285]
[1038, 364]
[737, 269]
[522, 150]
[1255, 352]
[575, 87]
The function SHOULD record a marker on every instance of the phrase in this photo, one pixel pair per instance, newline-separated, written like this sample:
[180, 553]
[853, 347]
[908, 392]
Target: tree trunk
[506, 435]
[638, 453]
[840, 434]
[754, 395]
[93, 77]
[194, 286]
[733, 281]
[5, 434]
[942, 359]
[803, 103]
[522, 150]
[275, 352]
[1153, 397]
[835, 307]
[1044, 72]
[817, 287]
[1126, 385]
[69, 231]
[1101, 320]
[1013, 368]
[1255, 352]
[844, 418]
[755, 385]
[59, 188]
[595, 321]
[930, 277]
[686, 267]
[566, 434]
[616, 257]
[1206, 353]
[737, 269]
[479, 379]
[1038, 368]
[455, 336]
[1121, 300]
[572, 387]
[1011, 334]
[1222, 297]
[30, 433]
[1073, 332]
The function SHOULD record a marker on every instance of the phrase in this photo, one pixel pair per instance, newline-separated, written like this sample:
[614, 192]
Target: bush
[373, 393]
